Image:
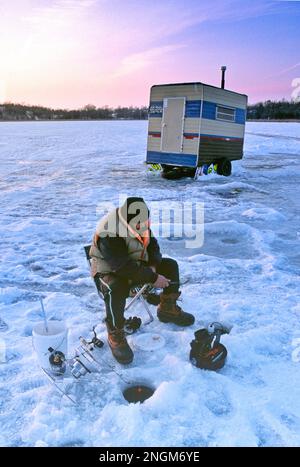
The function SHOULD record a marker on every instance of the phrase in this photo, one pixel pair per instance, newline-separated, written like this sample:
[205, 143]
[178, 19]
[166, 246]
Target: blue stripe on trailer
[240, 116]
[209, 110]
[192, 109]
[185, 160]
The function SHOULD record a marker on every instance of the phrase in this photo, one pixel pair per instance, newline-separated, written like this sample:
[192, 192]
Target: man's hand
[153, 268]
[161, 282]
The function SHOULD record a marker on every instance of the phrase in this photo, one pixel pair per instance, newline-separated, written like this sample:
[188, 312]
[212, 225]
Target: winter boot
[118, 344]
[169, 312]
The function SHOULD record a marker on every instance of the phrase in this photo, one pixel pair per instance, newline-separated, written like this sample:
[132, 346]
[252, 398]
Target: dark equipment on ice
[132, 324]
[206, 350]
[138, 393]
[95, 340]
[57, 362]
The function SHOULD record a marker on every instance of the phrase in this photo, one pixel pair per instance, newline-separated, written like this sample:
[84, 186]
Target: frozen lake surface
[53, 177]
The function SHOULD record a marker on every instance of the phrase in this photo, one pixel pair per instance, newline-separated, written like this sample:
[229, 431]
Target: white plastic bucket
[56, 337]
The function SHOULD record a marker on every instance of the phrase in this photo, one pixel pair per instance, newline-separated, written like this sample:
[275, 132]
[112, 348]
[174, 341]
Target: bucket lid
[148, 341]
[54, 328]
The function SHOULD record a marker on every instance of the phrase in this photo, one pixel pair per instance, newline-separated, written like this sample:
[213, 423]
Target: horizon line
[107, 106]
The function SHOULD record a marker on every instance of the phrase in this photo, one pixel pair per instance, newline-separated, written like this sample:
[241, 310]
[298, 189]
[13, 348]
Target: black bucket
[214, 360]
[138, 393]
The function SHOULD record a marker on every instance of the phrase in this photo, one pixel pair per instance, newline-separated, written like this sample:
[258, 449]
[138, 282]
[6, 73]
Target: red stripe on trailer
[222, 138]
[191, 135]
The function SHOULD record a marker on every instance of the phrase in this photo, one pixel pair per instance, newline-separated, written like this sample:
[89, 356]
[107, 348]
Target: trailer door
[172, 124]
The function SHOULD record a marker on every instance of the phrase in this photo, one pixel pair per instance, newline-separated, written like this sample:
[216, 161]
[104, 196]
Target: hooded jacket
[117, 250]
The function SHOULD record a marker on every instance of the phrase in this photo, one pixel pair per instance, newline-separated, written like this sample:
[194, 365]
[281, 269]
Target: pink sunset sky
[69, 53]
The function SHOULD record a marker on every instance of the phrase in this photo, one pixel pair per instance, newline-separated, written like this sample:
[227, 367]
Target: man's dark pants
[116, 289]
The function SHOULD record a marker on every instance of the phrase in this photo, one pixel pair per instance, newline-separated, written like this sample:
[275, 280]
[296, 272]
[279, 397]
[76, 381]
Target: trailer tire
[190, 172]
[173, 174]
[167, 168]
[224, 167]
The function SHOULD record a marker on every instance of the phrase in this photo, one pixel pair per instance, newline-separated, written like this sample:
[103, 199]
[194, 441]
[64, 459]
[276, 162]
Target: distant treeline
[269, 110]
[274, 110]
[9, 111]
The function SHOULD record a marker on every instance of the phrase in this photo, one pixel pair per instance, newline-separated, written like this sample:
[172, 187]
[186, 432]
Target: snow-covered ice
[53, 177]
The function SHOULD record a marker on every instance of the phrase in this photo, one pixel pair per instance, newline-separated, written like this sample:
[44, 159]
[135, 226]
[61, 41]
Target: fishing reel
[206, 350]
[84, 362]
[57, 362]
[78, 368]
[95, 340]
[132, 324]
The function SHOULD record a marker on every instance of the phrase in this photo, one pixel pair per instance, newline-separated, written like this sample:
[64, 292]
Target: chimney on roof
[223, 69]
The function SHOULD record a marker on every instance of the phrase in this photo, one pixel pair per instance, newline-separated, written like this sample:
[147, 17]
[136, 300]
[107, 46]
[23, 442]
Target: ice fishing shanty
[192, 124]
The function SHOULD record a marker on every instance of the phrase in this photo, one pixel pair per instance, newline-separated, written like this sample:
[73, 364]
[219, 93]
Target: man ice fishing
[125, 253]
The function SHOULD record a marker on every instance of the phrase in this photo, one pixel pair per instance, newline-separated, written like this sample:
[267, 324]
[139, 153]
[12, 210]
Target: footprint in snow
[218, 404]
[30, 384]
[267, 436]
[3, 325]
[8, 372]
[5, 396]
[291, 421]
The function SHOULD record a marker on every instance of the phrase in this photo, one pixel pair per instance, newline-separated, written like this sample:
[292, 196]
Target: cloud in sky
[137, 61]
[69, 52]
[58, 11]
[292, 67]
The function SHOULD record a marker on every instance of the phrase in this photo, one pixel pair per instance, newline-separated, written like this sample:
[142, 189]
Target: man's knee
[113, 285]
[169, 264]
[170, 261]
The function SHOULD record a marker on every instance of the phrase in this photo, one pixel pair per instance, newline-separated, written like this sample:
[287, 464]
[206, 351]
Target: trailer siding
[192, 91]
[212, 149]
[220, 138]
[224, 97]
[217, 127]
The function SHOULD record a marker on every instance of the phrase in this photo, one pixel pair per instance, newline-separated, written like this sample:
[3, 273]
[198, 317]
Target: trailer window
[225, 113]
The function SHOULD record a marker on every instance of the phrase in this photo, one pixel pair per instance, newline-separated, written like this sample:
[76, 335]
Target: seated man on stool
[124, 254]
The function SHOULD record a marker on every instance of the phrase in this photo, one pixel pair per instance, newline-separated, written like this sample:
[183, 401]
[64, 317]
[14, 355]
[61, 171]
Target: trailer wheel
[190, 172]
[174, 174]
[167, 168]
[224, 167]
[171, 172]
